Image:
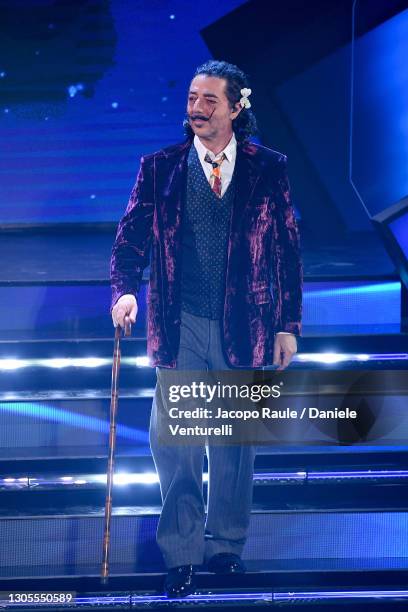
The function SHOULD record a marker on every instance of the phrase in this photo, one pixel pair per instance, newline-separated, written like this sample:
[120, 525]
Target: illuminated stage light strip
[99, 600]
[255, 597]
[204, 597]
[322, 596]
[348, 475]
[358, 475]
[271, 477]
[273, 597]
[342, 357]
[58, 363]
[12, 364]
[151, 478]
[119, 479]
[283, 597]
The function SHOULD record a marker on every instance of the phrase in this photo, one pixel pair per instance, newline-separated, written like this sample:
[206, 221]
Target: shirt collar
[230, 150]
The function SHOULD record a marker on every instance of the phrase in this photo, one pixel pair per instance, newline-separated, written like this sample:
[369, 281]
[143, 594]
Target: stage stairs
[329, 525]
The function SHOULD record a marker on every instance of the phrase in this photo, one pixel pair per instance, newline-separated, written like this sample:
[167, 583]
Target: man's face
[208, 109]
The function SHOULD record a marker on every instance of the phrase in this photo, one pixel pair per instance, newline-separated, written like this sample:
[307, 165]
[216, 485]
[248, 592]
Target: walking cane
[112, 442]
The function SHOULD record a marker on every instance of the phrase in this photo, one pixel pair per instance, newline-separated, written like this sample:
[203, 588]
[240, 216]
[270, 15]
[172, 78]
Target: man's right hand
[126, 305]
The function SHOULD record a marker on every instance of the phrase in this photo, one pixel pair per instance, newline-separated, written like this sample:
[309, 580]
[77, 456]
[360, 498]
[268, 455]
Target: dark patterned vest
[205, 234]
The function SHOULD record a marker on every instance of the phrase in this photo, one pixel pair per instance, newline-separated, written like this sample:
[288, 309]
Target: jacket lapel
[171, 179]
[173, 171]
[247, 172]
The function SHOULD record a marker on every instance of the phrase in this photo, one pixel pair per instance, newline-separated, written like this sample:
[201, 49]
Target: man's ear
[236, 110]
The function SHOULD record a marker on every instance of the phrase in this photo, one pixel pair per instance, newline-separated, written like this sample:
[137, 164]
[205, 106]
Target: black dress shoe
[226, 563]
[180, 581]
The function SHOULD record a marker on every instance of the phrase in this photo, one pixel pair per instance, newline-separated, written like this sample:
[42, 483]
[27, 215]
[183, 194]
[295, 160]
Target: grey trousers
[185, 534]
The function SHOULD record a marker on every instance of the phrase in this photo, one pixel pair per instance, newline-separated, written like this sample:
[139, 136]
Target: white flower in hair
[245, 92]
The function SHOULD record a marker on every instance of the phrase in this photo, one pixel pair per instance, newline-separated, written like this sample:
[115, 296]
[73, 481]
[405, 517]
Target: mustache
[201, 117]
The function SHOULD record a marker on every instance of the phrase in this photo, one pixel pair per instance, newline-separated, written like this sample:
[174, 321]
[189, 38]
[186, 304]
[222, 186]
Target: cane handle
[128, 326]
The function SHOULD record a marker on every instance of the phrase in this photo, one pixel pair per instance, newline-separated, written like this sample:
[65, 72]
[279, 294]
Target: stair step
[340, 306]
[257, 588]
[356, 539]
[80, 426]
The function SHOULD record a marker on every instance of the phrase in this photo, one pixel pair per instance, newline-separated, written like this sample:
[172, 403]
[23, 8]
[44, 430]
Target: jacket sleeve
[289, 268]
[131, 249]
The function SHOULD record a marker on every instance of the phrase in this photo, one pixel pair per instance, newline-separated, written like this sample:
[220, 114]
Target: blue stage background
[85, 91]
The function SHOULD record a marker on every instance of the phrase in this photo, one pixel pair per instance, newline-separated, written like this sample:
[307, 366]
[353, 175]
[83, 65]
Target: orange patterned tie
[215, 177]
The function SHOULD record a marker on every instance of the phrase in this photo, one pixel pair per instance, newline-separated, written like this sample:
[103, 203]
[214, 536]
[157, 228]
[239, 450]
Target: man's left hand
[285, 347]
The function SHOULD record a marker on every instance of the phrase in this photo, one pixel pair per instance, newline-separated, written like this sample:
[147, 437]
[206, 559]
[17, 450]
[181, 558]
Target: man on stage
[225, 291]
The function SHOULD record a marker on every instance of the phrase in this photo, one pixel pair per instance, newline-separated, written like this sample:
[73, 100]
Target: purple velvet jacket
[263, 284]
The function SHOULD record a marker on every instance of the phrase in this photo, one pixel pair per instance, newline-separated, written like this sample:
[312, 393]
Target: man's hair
[244, 125]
